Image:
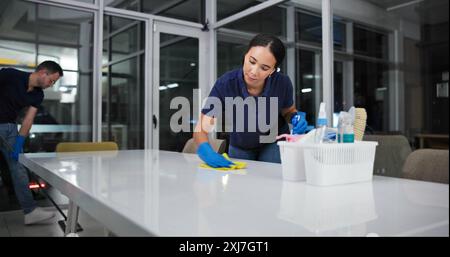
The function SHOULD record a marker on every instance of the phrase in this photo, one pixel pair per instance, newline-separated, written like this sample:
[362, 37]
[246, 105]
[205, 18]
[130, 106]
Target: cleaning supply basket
[291, 154]
[332, 164]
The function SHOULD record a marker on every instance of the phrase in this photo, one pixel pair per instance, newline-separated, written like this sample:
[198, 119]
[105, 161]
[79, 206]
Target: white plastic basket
[332, 164]
[292, 158]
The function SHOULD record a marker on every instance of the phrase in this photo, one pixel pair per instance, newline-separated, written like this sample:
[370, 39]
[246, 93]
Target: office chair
[428, 165]
[65, 147]
[86, 146]
[391, 154]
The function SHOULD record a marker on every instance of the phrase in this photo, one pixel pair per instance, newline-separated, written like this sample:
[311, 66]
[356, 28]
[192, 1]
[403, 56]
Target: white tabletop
[151, 192]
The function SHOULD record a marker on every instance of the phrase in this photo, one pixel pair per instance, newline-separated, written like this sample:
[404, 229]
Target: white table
[151, 192]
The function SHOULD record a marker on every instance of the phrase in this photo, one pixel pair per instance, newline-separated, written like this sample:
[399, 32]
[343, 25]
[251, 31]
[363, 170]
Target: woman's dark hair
[275, 45]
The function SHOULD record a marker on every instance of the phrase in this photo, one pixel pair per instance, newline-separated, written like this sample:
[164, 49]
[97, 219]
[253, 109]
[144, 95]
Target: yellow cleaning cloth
[236, 166]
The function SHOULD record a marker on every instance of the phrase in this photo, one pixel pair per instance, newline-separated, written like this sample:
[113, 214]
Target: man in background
[19, 90]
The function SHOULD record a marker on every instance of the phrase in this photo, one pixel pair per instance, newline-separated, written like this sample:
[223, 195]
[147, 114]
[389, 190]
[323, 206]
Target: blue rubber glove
[18, 147]
[299, 123]
[210, 157]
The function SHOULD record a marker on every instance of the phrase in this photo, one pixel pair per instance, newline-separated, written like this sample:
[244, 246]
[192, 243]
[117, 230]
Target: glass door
[123, 89]
[178, 69]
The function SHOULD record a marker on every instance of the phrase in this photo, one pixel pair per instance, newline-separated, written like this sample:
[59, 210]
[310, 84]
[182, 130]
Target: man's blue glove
[18, 147]
[210, 157]
[299, 123]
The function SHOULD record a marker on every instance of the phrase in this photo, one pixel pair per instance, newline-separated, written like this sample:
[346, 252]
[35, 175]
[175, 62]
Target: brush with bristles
[360, 123]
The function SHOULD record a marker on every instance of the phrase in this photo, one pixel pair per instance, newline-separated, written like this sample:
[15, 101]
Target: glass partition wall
[31, 33]
[397, 57]
[179, 61]
[123, 82]
[395, 66]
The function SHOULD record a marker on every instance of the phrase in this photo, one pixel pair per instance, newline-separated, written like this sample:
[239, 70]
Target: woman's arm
[204, 149]
[204, 126]
[288, 112]
[297, 119]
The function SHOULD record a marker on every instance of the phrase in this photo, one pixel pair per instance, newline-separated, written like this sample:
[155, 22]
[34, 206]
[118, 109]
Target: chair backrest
[217, 144]
[86, 146]
[391, 154]
[427, 164]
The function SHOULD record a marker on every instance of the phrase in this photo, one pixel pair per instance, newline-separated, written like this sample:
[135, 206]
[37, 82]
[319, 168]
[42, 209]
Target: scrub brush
[360, 123]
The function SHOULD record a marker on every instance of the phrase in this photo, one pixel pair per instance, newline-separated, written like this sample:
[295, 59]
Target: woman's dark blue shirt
[232, 84]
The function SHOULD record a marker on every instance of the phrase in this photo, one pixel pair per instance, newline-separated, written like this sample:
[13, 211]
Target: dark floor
[11, 216]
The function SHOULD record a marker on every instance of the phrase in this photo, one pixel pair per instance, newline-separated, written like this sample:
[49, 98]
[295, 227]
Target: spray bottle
[321, 126]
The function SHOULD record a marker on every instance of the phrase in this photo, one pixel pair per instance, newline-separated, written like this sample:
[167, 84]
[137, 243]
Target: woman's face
[259, 63]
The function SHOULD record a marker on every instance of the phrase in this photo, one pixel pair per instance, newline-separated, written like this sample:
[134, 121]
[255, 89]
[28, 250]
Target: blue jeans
[19, 175]
[266, 153]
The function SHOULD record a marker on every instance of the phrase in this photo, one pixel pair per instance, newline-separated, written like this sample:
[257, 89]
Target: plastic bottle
[348, 132]
[321, 126]
[345, 128]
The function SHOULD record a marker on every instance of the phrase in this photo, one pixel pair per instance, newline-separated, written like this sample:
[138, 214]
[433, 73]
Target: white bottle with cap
[321, 125]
